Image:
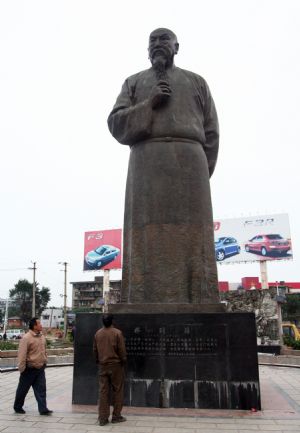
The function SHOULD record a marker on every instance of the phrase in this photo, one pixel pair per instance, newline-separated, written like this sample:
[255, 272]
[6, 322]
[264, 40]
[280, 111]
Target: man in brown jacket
[32, 359]
[110, 352]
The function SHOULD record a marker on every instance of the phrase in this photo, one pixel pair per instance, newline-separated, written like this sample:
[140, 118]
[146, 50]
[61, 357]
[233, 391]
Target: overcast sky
[62, 173]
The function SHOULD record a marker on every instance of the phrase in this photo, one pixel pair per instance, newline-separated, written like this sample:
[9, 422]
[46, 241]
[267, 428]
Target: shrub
[8, 345]
[288, 341]
[296, 345]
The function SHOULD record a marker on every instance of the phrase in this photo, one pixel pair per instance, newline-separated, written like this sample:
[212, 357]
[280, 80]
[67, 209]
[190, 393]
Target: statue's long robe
[168, 247]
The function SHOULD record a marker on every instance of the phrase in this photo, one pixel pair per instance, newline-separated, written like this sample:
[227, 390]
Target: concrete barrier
[279, 360]
[7, 364]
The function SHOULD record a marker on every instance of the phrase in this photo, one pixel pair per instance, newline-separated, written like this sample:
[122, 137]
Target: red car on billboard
[268, 245]
[102, 250]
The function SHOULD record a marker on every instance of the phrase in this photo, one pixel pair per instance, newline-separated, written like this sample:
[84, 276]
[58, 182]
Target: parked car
[268, 244]
[226, 246]
[101, 256]
[13, 334]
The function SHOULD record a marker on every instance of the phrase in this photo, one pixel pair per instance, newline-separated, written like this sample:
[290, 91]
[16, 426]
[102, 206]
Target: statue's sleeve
[211, 129]
[129, 122]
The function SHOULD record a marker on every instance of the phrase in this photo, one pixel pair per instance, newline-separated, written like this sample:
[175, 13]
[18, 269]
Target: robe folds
[168, 245]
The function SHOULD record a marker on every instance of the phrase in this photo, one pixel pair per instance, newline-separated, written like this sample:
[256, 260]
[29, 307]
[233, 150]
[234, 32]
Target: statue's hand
[160, 93]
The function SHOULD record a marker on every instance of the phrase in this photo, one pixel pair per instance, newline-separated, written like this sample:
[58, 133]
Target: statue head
[162, 47]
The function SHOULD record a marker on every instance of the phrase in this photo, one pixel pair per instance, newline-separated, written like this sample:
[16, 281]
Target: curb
[7, 369]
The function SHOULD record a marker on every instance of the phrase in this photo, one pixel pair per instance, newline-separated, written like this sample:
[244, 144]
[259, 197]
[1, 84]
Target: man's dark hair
[32, 323]
[107, 320]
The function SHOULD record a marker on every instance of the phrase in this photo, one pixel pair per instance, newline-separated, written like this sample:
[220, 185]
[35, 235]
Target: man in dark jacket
[110, 352]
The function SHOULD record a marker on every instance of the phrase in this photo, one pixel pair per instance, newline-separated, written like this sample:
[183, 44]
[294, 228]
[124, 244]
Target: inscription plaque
[185, 360]
[191, 340]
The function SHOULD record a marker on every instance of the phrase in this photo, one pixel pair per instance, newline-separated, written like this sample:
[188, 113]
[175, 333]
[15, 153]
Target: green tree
[291, 309]
[21, 295]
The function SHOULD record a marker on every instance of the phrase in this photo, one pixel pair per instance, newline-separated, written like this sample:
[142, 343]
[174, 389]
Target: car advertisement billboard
[102, 250]
[254, 238]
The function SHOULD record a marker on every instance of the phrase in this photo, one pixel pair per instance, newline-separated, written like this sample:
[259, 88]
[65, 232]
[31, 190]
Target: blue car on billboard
[225, 247]
[101, 256]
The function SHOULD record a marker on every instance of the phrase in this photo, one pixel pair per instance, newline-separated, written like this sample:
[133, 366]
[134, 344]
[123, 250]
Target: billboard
[102, 250]
[254, 238]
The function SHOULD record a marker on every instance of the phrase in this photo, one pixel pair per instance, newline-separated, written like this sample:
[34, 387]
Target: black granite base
[275, 349]
[198, 360]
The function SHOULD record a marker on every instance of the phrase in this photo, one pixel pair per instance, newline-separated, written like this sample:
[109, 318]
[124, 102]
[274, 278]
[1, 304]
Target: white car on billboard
[101, 256]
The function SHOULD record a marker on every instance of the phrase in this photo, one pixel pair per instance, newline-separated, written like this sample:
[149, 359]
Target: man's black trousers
[34, 377]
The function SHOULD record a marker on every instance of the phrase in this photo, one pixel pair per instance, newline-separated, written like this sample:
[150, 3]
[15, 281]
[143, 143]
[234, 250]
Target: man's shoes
[116, 419]
[19, 410]
[103, 422]
[46, 412]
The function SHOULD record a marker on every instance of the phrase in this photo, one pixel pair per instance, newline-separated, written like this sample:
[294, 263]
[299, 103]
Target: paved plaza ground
[280, 388]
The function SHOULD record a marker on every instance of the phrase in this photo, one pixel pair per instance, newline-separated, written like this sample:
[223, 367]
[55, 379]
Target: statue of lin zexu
[167, 116]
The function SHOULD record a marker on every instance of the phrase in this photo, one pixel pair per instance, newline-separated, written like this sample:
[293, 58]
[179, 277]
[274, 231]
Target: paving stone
[283, 381]
[45, 419]
[155, 423]
[259, 431]
[80, 421]
[289, 421]
[17, 423]
[239, 425]
[198, 425]
[89, 428]
[83, 430]
[51, 426]
[122, 427]
[215, 431]
[255, 421]
[18, 429]
[172, 430]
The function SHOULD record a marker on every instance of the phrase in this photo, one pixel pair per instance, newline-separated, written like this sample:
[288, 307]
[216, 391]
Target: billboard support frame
[263, 274]
[105, 289]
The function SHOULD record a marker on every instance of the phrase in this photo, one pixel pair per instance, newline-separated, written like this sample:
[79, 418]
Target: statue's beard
[159, 65]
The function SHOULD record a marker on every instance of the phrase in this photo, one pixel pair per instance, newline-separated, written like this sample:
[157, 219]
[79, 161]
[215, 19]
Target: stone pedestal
[175, 359]
[164, 308]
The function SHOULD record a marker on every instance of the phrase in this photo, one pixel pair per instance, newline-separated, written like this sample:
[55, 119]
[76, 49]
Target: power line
[13, 269]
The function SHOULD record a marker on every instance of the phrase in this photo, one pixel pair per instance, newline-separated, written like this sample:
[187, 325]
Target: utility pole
[33, 289]
[65, 264]
[6, 316]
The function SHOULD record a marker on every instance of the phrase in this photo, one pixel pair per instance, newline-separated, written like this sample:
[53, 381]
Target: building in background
[52, 318]
[89, 294]
[253, 283]
[15, 322]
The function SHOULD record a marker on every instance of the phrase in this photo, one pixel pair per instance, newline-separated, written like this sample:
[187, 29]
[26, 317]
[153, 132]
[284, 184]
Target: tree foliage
[291, 309]
[21, 295]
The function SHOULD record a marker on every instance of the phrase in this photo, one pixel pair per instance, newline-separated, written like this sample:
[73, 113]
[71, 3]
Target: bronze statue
[168, 118]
